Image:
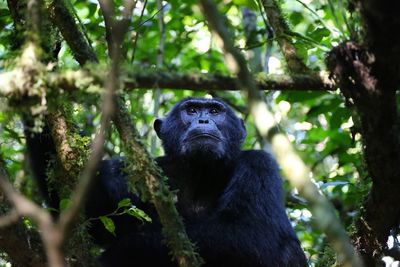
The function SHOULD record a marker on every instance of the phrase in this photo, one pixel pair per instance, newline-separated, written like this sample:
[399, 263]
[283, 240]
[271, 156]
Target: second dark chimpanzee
[231, 200]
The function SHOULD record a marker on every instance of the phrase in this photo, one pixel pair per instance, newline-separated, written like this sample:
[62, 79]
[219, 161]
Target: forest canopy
[314, 81]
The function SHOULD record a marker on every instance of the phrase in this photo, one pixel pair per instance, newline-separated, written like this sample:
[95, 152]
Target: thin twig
[107, 9]
[316, 16]
[155, 14]
[137, 32]
[160, 63]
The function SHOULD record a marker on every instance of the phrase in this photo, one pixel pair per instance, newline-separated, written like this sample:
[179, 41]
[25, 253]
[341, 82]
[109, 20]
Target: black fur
[231, 200]
[41, 151]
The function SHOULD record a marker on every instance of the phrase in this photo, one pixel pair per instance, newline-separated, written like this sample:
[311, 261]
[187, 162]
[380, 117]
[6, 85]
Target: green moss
[327, 257]
[80, 145]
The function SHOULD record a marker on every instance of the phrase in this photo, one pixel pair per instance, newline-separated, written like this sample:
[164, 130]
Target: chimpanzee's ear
[243, 131]
[157, 126]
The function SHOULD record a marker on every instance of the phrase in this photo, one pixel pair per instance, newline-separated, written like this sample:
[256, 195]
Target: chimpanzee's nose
[203, 121]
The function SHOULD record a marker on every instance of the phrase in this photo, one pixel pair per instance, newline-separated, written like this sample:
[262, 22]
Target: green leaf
[296, 17]
[126, 202]
[4, 12]
[92, 9]
[138, 213]
[339, 116]
[319, 33]
[13, 134]
[108, 224]
[247, 3]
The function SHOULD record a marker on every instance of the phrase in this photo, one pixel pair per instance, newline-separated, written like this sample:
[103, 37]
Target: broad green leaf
[339, 116]
[108, 224]
[296, 17]
[319, 33]
[138, 213]
[126, 202]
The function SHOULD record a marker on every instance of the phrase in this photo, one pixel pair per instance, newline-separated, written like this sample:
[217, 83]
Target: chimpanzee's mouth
[204, 135]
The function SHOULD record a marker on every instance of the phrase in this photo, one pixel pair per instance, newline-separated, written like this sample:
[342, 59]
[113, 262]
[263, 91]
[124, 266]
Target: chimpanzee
[231, 200]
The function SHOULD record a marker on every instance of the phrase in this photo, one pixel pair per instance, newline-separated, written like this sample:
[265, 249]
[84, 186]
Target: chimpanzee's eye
[214, 111]
[190, 110]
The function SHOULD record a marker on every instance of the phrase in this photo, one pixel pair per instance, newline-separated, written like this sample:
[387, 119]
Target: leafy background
[319, 124]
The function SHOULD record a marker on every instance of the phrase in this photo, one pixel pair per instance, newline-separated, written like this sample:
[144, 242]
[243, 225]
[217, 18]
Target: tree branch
[293, 167]
[67, 156]
[91, 81]
[282, 34]
[63, 19]
[202, 81]
[154, 141]
[373, 95]
[176, 235]
[142, 166]
[80, 193]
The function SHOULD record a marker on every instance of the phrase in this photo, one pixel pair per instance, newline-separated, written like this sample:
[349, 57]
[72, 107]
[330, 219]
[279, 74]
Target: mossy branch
[91, 81]
[65, 22]
[142, 166]
[181, 246]
[282, 34]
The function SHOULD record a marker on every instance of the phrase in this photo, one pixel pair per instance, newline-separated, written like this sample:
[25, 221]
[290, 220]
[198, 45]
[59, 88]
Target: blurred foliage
[319, 124]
